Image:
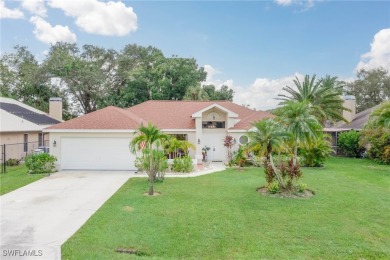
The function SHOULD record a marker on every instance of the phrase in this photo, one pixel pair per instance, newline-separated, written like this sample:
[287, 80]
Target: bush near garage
[40, 163]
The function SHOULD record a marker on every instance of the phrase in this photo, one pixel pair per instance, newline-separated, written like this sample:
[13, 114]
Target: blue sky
[255, 47]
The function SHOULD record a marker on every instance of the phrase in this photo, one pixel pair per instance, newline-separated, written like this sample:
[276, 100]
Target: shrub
[182, 164]
[40, 163]
[273, 187]
[301, 187]
[349, 144]
[12, 162]
[378, 141]
[239, 158]
[316, 152]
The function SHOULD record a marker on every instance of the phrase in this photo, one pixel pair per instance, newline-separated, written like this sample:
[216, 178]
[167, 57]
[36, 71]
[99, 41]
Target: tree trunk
[280, 179]
[295, 153]
[151, 191]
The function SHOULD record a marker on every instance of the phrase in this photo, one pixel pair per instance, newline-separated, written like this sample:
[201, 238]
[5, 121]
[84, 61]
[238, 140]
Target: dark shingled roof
[36, 118]
[359, 121]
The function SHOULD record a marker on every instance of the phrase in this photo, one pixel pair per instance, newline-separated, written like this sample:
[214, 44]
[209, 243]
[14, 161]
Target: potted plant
[204, 152]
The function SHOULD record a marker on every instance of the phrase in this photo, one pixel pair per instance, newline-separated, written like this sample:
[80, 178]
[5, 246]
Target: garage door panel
[96, 154]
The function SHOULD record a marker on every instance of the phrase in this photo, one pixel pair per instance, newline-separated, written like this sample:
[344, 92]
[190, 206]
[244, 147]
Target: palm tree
[148, 141]
[380, 117]
[196, 93]
[267, 137]
[173, 145]
[299, 121]
[324, 96]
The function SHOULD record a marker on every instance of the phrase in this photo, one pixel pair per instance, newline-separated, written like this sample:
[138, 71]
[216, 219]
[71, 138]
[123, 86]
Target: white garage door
[96, 154]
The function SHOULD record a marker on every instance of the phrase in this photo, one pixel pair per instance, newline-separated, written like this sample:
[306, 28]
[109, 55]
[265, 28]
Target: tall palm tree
[267, 137]
[299, 121]
[324, 96]
[148, 140]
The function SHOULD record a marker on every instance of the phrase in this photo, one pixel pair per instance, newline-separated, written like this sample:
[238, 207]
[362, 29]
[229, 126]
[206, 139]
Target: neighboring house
[100, 140]
[21, 126]
[355, 121]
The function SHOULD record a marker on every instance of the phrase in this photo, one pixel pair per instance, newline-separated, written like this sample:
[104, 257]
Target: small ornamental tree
[228, 142]
[148, 142]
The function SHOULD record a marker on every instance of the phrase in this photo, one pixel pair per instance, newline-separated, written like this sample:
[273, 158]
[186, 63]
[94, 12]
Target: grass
[221, 216]
[16, 177]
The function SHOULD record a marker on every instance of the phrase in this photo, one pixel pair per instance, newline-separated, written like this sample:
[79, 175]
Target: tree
[85, 74]
[298, 120]
[24, 79]
[148, 141]
[380, 117]
[196, 93]
[224, 93]
[268, 137]
[228, 142]
[173, 145]
[370, 88]
[324, 97]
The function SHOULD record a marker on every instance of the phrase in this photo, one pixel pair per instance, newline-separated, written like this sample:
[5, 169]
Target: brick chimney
[55, 108]
[350, 103]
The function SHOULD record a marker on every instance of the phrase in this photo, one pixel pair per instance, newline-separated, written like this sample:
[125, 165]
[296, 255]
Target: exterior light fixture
[54, 143]
[198, 141]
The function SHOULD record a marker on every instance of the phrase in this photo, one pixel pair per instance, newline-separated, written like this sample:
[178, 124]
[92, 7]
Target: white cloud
[284, 2]
[48, 34]
[262, 93]
[210, 73]
[210, 80]
[379, 55]
[9, 13]
[103, 18]
[36, 7]
[306, 4]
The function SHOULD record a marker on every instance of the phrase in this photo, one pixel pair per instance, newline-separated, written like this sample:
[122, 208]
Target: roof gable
[200, 112]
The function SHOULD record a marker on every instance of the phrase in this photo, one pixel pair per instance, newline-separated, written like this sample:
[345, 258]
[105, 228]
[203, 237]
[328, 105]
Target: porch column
[199, 141]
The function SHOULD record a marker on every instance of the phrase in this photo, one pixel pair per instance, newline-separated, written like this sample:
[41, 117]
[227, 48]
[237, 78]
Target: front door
[217, 151]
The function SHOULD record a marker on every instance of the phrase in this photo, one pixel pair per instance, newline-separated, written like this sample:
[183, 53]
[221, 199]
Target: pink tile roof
[163, 114]
[178, 114]
[106, 118]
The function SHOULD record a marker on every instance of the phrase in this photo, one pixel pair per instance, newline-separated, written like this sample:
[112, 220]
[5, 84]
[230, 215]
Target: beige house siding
[15, 143]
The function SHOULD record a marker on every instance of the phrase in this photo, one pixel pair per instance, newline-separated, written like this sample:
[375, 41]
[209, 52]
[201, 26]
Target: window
[243, 139]
[178, 152]
[181, 137]
[40, 139]
[213, 124]
[25, 141]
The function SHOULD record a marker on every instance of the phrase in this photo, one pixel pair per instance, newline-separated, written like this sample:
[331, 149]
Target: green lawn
[16, 177]
[221, 216]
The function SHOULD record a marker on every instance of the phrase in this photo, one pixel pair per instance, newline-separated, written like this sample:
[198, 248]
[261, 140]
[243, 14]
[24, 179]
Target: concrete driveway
[38, 218]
